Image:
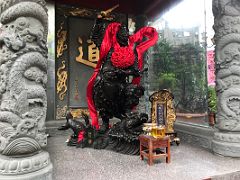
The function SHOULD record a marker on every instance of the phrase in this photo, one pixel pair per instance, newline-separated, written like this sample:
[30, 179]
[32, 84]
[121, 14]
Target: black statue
[114, 89]
[82, 133]
[123, 136]
[113, 92]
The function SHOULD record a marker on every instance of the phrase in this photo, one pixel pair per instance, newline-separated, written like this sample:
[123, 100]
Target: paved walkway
[187, 163]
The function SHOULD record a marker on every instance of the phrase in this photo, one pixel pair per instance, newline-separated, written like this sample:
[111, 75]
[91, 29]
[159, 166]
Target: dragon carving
[62, 81]
[23, 79]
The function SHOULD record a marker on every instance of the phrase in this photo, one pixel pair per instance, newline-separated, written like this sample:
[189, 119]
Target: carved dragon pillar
[23, 100]
[226, 139]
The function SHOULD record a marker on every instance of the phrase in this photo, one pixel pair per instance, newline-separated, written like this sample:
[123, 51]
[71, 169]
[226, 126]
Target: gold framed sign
[162, 109]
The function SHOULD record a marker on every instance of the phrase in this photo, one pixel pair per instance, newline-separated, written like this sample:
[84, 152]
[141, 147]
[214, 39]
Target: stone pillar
[23, 100]
[226, 139]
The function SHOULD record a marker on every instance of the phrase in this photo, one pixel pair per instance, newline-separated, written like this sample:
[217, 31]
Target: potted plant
[212, 105]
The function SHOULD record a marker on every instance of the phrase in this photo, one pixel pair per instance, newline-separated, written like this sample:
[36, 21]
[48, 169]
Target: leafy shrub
[212, 99]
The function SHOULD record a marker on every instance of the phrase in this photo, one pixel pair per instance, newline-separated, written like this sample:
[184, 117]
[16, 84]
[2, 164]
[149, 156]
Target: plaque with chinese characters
[160, 114]
[83, 57]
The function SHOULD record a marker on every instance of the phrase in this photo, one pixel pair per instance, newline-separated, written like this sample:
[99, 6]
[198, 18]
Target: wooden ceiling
[151, 8]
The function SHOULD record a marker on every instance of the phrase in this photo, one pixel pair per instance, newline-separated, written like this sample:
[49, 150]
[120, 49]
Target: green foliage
[163, 58]
[182, 70]
[167, 81]
[212, 99]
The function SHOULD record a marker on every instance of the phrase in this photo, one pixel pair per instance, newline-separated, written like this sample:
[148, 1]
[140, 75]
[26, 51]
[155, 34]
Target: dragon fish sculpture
[122, 137]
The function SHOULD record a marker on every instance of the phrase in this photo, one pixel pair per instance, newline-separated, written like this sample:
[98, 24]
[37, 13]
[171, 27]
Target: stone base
[226, 144]
[36, 167]
[196, 135]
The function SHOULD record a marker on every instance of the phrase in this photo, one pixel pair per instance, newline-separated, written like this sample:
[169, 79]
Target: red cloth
[106, 45]
[152, 36]
[123, 57]
[110, 40]
[80, 136]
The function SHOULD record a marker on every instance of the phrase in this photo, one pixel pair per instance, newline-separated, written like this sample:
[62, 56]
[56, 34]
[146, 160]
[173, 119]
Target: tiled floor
[187, 163]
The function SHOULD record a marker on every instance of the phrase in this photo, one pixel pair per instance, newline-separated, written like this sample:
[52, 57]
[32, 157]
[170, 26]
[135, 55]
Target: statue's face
[123, 35]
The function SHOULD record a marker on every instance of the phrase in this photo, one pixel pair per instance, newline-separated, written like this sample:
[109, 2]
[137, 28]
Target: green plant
[212, 99]
[167, 81]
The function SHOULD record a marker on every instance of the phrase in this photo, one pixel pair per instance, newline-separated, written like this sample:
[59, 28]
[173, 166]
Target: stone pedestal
[226, 140]
[226, 144]
[23, 99]
[35, 167]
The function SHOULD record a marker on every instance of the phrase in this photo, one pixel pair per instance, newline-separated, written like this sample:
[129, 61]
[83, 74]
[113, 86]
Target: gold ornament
[77, 113]
[61, 112]
[62, 81]
[80, 12]
[165, 98]
[107, 14]
[61, 36]
[93, 53]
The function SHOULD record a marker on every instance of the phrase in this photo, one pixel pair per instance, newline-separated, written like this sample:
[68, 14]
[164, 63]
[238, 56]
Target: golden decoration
[93, 53]
[62, 81]
[106, 14]
[72, 11]
[61, 112]
[80, 12]
[77, 113]
[62, 36]
[164, 97]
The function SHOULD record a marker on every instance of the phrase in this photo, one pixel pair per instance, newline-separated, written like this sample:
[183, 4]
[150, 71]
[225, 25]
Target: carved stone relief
[227, 38]
[23, 78]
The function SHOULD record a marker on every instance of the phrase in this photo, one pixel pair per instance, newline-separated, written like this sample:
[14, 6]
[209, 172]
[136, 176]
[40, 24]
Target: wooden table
[149, 148]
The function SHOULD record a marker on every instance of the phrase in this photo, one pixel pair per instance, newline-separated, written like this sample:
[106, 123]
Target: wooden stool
[148, 146]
